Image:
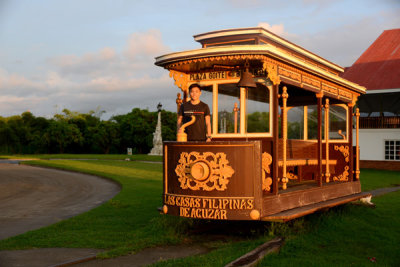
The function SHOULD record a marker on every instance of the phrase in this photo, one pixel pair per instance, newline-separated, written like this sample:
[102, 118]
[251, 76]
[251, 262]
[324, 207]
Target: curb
[257, 254]
[73, 262]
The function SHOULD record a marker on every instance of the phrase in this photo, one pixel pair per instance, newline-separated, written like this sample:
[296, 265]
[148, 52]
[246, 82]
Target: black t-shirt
[196, 131]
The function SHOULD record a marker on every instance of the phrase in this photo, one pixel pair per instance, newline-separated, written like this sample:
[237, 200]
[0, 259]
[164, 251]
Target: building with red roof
[378, 69]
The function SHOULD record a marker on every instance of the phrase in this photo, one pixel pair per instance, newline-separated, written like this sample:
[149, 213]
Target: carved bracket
[181, 79]
[272, 71]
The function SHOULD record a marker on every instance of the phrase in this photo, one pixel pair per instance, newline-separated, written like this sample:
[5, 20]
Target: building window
[392, 150]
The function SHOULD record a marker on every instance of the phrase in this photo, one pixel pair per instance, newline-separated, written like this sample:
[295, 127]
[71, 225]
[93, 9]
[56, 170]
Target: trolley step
[291, 214]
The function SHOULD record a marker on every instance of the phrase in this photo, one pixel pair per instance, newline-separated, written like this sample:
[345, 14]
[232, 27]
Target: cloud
[12, 84]
[278, 29]
[245, 4]
[145, 45]
[88, 64]
[345, 43]
[116, 81]
[342, 43]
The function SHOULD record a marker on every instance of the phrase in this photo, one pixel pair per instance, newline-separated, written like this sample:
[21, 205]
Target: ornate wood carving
[277, 69]
[181, 79]
[266, 171]
[344, 177]
[272, 70]
[289, 74]
[330, 89]
[311, 82]
[292, 176]
[345, 94]
[215, 58]
[203, 171]
[344, 150]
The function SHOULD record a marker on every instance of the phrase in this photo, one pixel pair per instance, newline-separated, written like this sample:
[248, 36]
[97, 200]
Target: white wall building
[378, 69]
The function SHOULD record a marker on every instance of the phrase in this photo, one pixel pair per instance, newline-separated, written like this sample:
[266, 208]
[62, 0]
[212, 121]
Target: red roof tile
[379, 66]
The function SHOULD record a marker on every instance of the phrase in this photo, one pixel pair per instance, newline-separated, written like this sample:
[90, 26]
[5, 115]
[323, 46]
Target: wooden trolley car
[282, 140]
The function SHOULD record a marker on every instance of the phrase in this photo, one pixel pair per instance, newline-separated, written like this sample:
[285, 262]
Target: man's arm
[208, 126]
[179, 123]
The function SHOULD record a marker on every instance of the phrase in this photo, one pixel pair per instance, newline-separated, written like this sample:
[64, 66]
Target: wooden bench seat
[299, 149]
[305, 162]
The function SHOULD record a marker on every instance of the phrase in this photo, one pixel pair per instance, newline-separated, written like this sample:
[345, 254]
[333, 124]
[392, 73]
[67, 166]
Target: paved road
[31, 197]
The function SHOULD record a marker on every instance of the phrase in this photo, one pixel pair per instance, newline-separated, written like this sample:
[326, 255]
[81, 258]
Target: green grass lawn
[372, 179]
[344, 236]
[135, 157]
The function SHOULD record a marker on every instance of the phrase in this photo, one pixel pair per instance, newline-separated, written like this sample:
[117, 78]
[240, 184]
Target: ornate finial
[284, 93]
[327, 103]
[235, 107]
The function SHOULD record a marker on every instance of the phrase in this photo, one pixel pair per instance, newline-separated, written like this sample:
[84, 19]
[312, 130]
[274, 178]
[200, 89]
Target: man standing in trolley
[200, 130]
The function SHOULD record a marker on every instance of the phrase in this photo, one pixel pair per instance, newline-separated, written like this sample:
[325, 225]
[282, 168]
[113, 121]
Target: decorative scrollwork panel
[344, 176]
[203, 171]
[266, 172]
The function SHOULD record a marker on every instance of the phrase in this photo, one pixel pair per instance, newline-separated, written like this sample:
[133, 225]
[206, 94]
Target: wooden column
[357, 144]
[243, 91]
[327, 174]
[319, 107]
[215, 110]
[284, 136]
[235, 113]
[350, 139]
[275, 133]
[305, 123]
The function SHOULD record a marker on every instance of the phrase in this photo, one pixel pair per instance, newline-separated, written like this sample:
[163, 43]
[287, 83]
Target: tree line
[81, 133]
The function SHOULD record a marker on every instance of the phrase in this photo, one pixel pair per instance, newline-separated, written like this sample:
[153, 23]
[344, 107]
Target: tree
[75, 132]
[258, 122]
[61, 134]
[103, 137]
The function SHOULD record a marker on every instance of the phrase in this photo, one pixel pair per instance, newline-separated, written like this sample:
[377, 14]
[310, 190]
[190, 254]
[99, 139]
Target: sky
[98, 55]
